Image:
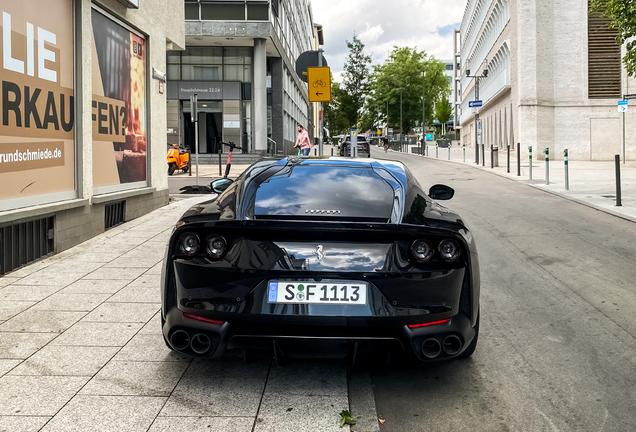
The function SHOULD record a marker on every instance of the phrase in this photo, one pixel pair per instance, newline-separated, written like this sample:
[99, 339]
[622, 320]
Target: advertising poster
[119, 105]
[37, 148]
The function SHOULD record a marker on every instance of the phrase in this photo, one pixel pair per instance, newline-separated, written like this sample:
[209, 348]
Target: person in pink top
[302, 142]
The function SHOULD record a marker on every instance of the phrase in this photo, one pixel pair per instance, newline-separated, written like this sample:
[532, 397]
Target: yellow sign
[319, 80]
[379, 131]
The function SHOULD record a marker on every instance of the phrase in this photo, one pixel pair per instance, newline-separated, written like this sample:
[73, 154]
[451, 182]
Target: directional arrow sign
[319, 81]
[622, 106]
[474, 104]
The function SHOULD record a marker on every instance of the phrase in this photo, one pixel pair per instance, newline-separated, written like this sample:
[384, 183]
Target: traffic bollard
[565, 160]
[464, 153]
[518, 159]
[530, 158]
[436, 151]
[492, 156]
[315, 150]
[332, 151]
[508, 162]
[449, 149]
[483, 155]
[617, 160]
[547, 165]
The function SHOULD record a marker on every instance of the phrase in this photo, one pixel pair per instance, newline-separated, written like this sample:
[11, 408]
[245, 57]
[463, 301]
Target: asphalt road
[557, 343]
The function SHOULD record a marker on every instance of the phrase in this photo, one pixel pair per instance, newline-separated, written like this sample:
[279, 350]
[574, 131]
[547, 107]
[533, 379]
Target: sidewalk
[81, 349]
[592, 183]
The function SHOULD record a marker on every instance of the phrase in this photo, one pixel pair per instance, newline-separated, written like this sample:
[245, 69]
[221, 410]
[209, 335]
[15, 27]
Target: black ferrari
[322, 257]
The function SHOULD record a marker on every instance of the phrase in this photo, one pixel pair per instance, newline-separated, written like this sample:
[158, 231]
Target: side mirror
[441, 192]
[220, 185]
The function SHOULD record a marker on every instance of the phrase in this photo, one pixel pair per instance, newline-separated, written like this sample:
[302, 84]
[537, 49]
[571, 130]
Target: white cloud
[382, 24]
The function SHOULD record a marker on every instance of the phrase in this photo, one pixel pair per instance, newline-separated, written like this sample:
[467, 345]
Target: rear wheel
[172, 168]
[473, 344]
[185, 169]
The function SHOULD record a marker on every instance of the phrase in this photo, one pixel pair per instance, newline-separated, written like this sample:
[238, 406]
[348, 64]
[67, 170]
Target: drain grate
[25, 242]
[114, 214]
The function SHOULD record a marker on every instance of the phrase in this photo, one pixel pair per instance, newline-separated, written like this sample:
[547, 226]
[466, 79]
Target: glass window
[202, 55]
[173, 57]
[257, 12]
[174, 72]
[355, 192]
[233, 72]
[201, 73]
[218, 12]
[192, 11]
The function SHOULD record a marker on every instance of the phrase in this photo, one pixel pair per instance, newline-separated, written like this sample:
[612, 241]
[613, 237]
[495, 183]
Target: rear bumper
[211, 340]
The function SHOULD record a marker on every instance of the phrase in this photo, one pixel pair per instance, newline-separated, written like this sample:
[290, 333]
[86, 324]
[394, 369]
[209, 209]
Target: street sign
[319, 80]
[379, 131]
[629, 96]
[475, 104]
[306, 60]
[622, 106]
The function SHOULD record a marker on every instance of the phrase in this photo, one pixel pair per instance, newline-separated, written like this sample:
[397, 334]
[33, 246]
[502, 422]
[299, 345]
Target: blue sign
[474, 104]
[429, 137]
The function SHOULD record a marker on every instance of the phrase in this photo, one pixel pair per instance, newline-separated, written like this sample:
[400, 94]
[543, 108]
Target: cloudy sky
[381, 24]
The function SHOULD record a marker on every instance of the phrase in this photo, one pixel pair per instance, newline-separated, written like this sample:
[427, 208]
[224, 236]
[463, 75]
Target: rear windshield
[312, 191]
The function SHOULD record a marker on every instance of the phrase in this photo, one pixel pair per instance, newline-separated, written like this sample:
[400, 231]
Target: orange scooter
[178, 158]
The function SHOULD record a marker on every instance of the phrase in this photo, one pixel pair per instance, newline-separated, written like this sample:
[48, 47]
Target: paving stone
[27, 292]
[70, 266]
[28, 270]
[41, 321]
[37, 395]
[8, 280]
[289, 412]
[310, 378]
[22, 423]
[98, 334]
[144, 252]
[149, 347]
[22, 345]
[224, 387]
[123, 312]
[93, 286]
[129, 274]
[156, 270]
[6, 365]
[96, 257]
[106, 414]
[133, 378]
[153, 326]
[71, 302]
[202, 424]
[45, 277]
[128, 262]
[123, 239]
[66, 360]
[10, 308]
[137, 293]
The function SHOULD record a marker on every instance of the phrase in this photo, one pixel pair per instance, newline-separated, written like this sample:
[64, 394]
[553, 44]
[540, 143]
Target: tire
[172, 168]
[185, 169]
[473, 344]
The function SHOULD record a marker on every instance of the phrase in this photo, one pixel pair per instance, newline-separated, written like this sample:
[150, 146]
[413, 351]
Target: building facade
[240, 61]
[554, 79]
[82, 138]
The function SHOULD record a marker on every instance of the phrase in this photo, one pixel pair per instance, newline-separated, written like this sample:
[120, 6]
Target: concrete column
[260, 96]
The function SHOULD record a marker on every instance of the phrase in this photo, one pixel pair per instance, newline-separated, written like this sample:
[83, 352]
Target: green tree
[355, 81]
[443, 112]
[622, 17]
[399, 84]
[335, 119]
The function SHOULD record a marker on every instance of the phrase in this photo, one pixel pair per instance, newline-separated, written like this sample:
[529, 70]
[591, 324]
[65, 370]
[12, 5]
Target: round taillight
[422, 251]
[189, 244]
[449, 250]
[215, 246]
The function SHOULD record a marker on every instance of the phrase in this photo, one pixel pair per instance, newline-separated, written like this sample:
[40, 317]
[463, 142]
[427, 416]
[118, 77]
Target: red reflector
[198, 318]
[428, 324]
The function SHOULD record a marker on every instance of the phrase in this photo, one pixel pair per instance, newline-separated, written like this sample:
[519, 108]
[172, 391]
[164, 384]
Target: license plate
[353, 293]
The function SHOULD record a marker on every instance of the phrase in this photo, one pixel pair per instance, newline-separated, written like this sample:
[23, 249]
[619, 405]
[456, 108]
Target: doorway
[210, 127]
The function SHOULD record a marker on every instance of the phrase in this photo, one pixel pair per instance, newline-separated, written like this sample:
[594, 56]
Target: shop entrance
[210, 127]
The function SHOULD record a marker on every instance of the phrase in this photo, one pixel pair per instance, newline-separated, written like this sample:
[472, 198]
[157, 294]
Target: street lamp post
[401, 126]
[423, 111]
[484, 74]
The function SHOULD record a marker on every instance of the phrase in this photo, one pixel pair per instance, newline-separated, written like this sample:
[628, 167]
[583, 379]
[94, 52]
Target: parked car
[364, 148]
[322, 257]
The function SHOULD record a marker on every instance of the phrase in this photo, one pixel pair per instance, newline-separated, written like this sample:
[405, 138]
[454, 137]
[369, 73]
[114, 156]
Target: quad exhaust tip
[180, 340]
[431, 348]
[452, 345]
[200, 344]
